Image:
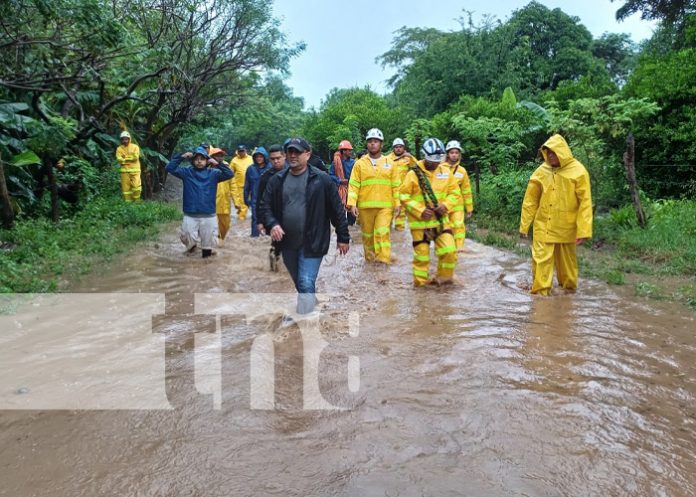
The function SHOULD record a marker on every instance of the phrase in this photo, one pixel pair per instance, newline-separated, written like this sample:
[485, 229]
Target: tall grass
[36, 254]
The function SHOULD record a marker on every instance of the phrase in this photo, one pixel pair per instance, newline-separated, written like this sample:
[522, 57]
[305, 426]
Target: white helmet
[433, 150]
[375, 133]
[398, 141]
[125, 134]
[453, 144]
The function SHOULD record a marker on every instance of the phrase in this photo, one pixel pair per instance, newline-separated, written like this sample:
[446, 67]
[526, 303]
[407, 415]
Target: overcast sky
[343, 38]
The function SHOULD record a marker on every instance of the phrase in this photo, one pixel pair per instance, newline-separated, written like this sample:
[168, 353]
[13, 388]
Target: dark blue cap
[201, 151]
[297, 143]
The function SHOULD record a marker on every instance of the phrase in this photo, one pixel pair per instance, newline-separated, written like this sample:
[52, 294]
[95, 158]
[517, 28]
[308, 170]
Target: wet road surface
[477, 389]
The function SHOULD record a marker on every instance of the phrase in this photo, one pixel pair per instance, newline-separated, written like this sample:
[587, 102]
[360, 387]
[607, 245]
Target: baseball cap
[241, 147]
[297, 143]
[201, 151]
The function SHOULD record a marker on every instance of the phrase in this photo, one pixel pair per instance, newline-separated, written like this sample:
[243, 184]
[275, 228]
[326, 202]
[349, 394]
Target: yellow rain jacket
[373, 186]
[128, 157]
[446, 190]
[462, 178]
[239, 167]
[223, 197]
[558, 200]
[402, 164]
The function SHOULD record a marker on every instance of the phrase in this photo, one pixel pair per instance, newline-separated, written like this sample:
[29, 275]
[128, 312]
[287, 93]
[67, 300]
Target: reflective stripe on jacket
[373, 186]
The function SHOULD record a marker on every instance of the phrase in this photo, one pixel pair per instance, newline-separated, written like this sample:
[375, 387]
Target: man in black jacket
[297, 207]
[276, 156]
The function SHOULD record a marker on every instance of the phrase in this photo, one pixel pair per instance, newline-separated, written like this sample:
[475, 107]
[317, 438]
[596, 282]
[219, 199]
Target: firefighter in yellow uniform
[223, 196]
[558, 201]
[373, 197]
[403, 162]
[128, 157]
[239, 165]
[454, 156]
[429, 193]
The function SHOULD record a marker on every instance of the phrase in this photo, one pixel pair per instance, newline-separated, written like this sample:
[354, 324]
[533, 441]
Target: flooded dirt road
[475, 390]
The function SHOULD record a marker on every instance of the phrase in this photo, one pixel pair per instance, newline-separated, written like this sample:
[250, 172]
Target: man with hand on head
[200, 188]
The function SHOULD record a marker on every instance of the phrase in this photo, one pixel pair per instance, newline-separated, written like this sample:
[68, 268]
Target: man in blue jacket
[297, 207]
[200, 188]
[251, 185]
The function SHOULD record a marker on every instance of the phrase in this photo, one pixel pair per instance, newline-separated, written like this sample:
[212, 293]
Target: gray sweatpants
[200, 231]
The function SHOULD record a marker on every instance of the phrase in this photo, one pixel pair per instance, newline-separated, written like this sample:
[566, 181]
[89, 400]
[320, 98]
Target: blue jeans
[304, 272]
[254, 221]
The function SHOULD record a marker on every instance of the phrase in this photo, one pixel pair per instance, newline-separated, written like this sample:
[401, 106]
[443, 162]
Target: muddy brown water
[477, 389]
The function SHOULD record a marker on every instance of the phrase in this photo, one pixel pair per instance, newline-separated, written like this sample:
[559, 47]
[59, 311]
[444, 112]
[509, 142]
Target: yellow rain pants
[546, 256]
[446, 252]
[222, 207]
[239, 166]
[375, 225]
[128, 157]
[131, 186]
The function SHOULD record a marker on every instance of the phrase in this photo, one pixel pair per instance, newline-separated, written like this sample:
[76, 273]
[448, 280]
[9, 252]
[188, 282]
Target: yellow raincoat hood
[560, 147]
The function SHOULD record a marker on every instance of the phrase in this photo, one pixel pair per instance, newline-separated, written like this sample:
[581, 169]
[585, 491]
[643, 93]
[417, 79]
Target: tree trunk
[7, 212]
[630, 166]
[477, 169]
[55, 201]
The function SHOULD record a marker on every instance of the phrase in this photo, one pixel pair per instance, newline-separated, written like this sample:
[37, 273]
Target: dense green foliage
[269, 117]
[349, 114]
[79, 71]
[534, 51]
[36, 254]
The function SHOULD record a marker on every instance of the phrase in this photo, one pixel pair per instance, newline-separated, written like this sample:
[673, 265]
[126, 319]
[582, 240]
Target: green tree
[91, 67]
[535, 51]
[348, 114]
[618, 53]
[597, 129]
[669, 140]
[669, 11]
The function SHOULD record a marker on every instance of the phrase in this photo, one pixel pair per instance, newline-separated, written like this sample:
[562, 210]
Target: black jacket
[262, 186]
[323, 206]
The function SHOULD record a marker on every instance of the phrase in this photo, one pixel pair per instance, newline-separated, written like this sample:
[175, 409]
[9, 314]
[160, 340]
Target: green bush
[668, 241]
[499, 202]
[36, 252]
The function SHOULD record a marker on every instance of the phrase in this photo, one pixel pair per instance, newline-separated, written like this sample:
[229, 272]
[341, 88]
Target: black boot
[207, 252]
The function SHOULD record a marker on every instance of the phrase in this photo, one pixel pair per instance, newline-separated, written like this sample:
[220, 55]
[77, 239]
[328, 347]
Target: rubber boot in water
[273, 260]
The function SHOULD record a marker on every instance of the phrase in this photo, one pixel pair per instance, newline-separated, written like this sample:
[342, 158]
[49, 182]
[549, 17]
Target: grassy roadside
[36, 255]
[658, 262]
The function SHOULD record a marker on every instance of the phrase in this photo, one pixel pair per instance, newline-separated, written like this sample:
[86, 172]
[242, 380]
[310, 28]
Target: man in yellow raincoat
[223, 196]
[429, 193]
[239, 165]
[454, 156]
[403, 162]
[559, 203]
[373, 197]
[128, 157]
